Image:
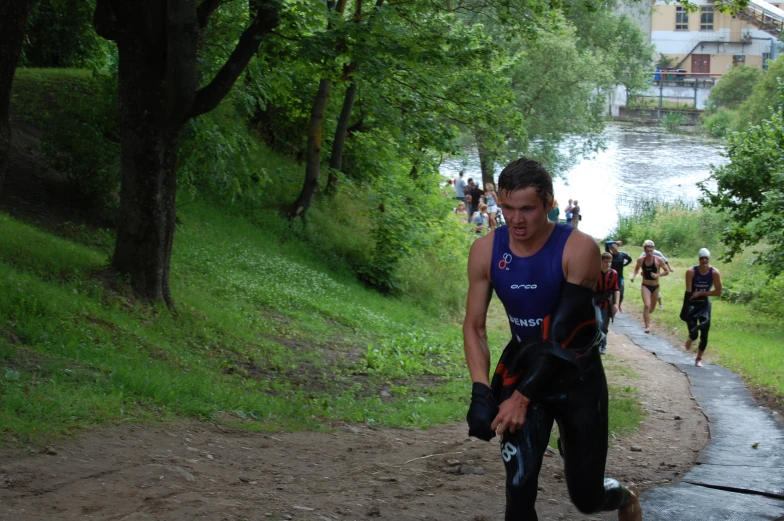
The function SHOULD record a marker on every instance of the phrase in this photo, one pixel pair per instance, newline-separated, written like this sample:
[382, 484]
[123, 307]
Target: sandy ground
[200, 471]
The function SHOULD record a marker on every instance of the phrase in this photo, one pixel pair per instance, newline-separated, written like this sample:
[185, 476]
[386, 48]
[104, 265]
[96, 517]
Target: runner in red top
[608, 296]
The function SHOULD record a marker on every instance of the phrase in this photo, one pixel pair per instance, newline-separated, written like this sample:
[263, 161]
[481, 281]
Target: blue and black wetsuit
[571, 393]
[697, 312]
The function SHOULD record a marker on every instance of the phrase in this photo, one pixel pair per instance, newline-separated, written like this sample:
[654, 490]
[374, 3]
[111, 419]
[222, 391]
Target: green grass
[265, 337]
[742, 339]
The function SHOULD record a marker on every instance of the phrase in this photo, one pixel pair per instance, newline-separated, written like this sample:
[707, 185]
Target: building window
[706, 18]
[765, 57]
[681, 19]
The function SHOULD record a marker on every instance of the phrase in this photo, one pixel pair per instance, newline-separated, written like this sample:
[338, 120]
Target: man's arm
[689, 278]
[480, 290]
[662, 264]
[627, 259]
[717, 287]
[637, 268]
[582, 260]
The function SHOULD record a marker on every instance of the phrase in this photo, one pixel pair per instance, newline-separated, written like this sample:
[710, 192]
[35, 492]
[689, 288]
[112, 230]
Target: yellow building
[709, 42]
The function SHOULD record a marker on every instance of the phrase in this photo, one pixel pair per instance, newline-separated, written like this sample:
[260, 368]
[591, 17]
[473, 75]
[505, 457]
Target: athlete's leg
[654, 297]
[703, 342]
[646, 307]
[620, 302]
[582, 423]
[604, 315]
[522, 453]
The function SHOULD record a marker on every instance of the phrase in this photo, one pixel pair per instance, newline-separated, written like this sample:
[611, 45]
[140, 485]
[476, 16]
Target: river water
[639, 162]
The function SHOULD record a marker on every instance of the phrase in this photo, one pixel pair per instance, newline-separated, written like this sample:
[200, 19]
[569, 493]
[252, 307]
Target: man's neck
[703, 270]
[531, 245]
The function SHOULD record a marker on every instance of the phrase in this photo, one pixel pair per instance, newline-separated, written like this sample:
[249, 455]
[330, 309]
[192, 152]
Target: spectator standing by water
[461, 211]
[620, 259]
[479, 219]
[460, 187]
[476, 194]
[568, 212]
[491, 198]
[554, 212]
[575, 214]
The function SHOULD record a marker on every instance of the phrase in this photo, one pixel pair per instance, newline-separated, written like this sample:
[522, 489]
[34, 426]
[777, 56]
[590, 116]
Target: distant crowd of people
[481, 209]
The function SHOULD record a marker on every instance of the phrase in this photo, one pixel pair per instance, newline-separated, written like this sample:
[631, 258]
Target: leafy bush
[671, 120]
[734, 87]
[677, 228]
[720, 123]
[77, 114]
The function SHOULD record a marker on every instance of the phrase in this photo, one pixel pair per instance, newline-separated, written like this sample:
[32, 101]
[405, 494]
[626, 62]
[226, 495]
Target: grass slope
[265, 337]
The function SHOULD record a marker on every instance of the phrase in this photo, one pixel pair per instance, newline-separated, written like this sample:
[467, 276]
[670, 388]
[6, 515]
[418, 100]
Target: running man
[620, 259]
[608, 296]
[551, 370]
[696, 310]
[649, 289]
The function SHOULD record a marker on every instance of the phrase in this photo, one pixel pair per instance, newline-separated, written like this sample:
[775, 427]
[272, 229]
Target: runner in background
[649, 289]
[696, 310]
[620, 260]
[608, 296]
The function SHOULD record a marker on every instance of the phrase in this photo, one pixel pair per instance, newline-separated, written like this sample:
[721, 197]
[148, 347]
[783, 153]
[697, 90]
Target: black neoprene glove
[482, 412]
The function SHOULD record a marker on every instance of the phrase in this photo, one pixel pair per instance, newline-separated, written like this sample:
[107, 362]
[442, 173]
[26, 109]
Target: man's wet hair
[524, 173]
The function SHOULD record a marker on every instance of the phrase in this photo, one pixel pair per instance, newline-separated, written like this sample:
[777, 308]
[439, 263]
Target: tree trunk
[157, 44]
[315, 134]
[13, 21]
[341, 134]
[313, 158]
[486, 162]
[157, 88]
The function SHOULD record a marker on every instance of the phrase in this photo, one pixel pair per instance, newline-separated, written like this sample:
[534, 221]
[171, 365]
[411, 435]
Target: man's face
[614, 249]
[606, 263]
[704, 261]
[649, 251]
[525, 214]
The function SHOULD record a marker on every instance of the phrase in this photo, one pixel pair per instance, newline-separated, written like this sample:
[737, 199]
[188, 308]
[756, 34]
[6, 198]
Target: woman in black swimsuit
[650, 266]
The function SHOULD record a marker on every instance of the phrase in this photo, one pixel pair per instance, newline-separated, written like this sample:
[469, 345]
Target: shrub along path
[740, 472]
[190, 471]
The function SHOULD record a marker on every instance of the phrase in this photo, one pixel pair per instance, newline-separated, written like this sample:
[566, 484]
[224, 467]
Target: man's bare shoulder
[580, 243]
[481, 253]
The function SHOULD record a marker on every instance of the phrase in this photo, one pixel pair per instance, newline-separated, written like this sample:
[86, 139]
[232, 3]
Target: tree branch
[207, 98]
[205, 10]
[105, 20]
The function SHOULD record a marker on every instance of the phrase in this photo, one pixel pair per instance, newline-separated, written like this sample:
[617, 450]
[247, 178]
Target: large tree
[13, 20]
[158, 44]
[750, 190]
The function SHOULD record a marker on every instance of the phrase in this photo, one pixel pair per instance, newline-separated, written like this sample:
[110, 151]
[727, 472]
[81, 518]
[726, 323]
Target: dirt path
[199, 471]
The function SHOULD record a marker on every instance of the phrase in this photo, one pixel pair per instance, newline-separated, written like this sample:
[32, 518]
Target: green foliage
[77, 114]
[60, 33]
[734, 87]
[672, 120]
[750, 191]
[674, 226]
[720, 123]
[764, 98]
[664, 62]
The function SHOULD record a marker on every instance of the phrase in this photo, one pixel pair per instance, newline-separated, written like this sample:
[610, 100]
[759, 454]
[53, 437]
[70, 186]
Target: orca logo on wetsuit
[523, 286]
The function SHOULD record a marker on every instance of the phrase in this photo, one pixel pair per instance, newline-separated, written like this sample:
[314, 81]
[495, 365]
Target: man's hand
[615, 309]
[511, 415]
[697, 294]
[481, 412]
